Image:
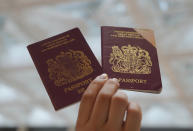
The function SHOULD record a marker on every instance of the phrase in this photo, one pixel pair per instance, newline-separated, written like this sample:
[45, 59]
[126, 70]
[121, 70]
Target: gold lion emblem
[130, 59]
[68, 67]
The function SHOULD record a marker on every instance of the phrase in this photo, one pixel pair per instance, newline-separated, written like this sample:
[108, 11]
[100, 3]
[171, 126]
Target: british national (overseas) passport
[66, 66]
[130, 55]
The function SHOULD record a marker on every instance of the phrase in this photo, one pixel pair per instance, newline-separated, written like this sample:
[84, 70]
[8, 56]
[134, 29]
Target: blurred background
[24, 103]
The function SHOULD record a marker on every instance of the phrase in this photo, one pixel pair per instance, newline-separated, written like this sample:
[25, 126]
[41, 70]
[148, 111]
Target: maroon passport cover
[66, 66]
[130, 55]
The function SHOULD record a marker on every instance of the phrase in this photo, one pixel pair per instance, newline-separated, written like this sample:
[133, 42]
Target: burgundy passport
[130, 55]
[66, 66]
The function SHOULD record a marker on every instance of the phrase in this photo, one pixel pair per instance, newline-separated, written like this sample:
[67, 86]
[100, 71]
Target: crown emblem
[68, 67]
[130, 59]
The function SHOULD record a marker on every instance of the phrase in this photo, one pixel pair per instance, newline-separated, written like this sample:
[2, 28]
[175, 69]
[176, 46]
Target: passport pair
[66, 64]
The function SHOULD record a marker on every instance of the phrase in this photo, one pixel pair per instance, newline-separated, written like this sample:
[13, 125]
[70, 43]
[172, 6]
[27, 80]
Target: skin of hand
[104, 108]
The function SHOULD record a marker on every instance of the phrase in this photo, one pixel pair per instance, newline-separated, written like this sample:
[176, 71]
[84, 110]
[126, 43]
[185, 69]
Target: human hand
[103, 108]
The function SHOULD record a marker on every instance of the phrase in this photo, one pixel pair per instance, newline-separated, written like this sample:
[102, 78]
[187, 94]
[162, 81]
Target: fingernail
[116, 80]
[103, 76]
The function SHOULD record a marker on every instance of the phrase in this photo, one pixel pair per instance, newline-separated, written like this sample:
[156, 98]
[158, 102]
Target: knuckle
[88, 95]
[136, 111]
[104, 95]
[113, 82]
[120, 97]
[95, 82]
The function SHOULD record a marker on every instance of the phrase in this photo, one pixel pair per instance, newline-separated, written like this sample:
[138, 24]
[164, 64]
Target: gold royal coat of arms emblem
[68, 67]
[130, 59]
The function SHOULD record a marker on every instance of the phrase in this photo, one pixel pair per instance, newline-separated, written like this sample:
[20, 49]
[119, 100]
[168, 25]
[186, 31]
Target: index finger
[88, 98]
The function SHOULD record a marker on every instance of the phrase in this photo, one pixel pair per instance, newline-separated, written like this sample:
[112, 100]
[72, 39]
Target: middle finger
[101, 107]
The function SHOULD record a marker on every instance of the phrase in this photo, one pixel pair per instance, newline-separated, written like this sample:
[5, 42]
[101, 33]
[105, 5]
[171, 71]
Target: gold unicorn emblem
[68, 67]
[130, 59]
